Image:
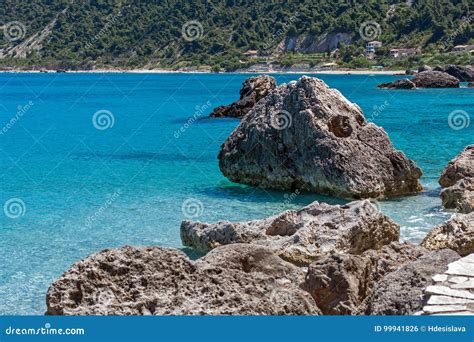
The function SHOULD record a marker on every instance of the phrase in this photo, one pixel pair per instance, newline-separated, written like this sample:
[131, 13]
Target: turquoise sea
[69, 188]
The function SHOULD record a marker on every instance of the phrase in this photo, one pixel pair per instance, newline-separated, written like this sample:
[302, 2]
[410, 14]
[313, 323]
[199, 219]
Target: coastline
[257, 71]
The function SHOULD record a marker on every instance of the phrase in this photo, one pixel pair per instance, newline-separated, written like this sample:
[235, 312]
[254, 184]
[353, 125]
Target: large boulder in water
[253, 90]
[425, 79]
[435, 79]
[456, 234]
[231, 280]
[307, 136]
[301, 236]
[457, 181]
[464, 74]
[460, 167]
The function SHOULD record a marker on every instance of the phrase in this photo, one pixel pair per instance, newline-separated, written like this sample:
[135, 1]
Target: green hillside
[82, 34]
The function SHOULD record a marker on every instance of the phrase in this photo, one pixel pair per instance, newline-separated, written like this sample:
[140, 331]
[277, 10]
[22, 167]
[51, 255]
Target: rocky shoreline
[448, 76]
[319, 260]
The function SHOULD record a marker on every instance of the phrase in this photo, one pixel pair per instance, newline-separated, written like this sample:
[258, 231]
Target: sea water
[93, 161]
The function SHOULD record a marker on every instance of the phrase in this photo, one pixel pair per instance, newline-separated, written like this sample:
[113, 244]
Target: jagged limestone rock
[301, 236]
[231, 280]
[305, 135]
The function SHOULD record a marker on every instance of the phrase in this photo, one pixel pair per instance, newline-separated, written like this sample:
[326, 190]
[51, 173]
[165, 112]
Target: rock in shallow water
[303, 235]
[459, 196]
[464, 74]
[404, 83]
[425, 79]
[231, 280]
[435, 79]
[457, 180]
[462, 166]
[253, 89]
[307, 136]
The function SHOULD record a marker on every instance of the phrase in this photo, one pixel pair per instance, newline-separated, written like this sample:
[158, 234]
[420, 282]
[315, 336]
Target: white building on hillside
[370, 47]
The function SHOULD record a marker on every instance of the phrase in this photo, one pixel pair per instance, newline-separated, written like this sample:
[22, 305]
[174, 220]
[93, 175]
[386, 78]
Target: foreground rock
[253, 89]
[453, 291]
[456, 234]
[401, 292]
[457, 181]
[464, 74]
[232, 280]
[301, 236]
[340, 282]
[307, 136]
[425, 79]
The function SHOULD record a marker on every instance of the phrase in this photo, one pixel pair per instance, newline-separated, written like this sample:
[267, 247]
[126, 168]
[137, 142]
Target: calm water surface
[85, 189]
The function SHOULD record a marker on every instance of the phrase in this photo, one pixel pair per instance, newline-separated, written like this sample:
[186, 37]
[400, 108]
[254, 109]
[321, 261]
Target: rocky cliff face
[314, 44]
[307, 136]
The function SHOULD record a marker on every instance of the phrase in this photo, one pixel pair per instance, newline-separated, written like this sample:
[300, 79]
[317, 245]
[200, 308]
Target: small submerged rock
[307, 136]
[253, 90]
[301, 236]
[231, 280]
[457, 181]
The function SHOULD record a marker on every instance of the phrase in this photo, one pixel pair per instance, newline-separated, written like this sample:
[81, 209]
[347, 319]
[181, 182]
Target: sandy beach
[257, 71]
